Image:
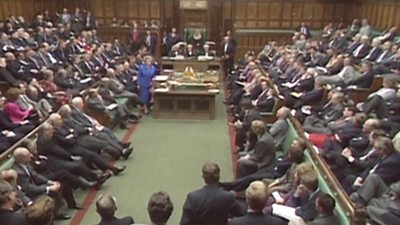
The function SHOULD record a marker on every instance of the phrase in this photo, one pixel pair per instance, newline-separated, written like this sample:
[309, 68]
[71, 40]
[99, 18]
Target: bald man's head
[106, 205]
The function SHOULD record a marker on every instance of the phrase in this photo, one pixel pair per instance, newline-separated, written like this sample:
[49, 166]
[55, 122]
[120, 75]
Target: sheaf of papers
[306, 111]
[213, 90]
[204, 58]
[323, 69]
[86, 80]
[161, 90]
[240, 83]
[178, 57]
[316, 149]
[112, 106]
[161, 78]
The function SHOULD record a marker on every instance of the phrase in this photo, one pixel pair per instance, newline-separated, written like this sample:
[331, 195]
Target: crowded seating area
[339, 94]
[316, 132]
[60, 83]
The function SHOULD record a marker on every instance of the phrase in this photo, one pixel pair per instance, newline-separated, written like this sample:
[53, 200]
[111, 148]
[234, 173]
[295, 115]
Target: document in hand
[112, 106]
[84, 81]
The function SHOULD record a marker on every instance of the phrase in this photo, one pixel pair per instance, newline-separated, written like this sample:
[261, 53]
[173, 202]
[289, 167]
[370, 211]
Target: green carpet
[169, 155]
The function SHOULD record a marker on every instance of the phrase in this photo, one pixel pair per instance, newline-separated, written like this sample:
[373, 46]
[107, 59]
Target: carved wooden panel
[255, 41]
[193, 4]
[381, 14]
[289, 13]
[240, 10]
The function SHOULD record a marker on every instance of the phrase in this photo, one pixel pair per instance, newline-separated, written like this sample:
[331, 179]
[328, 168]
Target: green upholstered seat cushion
[323, 185]
[7, 164]
[290, 136]
[121, 101]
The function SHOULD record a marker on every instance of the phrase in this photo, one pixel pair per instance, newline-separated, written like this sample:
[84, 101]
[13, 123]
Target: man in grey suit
[382, 202]
[280, 127]
[8, 201]
[263, 154]
[344, 77]
[34, 184]
[321, 117]
[89, 122]
[243, 125]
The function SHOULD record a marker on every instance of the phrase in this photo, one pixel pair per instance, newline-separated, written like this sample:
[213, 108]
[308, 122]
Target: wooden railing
[8, 153]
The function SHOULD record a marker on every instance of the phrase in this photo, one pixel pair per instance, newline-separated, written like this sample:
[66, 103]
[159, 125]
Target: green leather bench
[324, 186]
[7, 164]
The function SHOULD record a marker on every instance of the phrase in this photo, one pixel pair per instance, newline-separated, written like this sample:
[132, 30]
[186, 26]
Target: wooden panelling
[289, 13]
[382, 14]
[104, 10]
[17, 8]
[222, 15]
[239, 13]
[255, 41]
[169, 14]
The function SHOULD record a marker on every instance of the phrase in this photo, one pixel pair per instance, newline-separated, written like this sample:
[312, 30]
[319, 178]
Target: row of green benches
[328, 183]
[6, 159]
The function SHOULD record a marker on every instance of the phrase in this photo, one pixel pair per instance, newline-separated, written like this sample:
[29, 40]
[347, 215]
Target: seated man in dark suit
[315, 95]
[352, 162]
[280, 127]
[160, 208]
[256, 197]
[386, 167]
[375, 50]
[34, 184]
[82, 135]
[262, 156]
[306, 194]
[243, 124]
[210, 205]
[11, 176]
[325, 206]
[266, 100]
[86, 135]
[382, 201]
[206, 51]
[343, 134]
[69, 141]
[8, 200]
[106, 206]
[190, 52]
[283, 169]
[366, 78]
[101, 100]
[89, 122]
[321, 116]
[52, 157]
[6, 76]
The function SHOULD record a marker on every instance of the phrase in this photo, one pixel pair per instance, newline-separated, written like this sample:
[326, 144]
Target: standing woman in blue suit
[146, 73]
